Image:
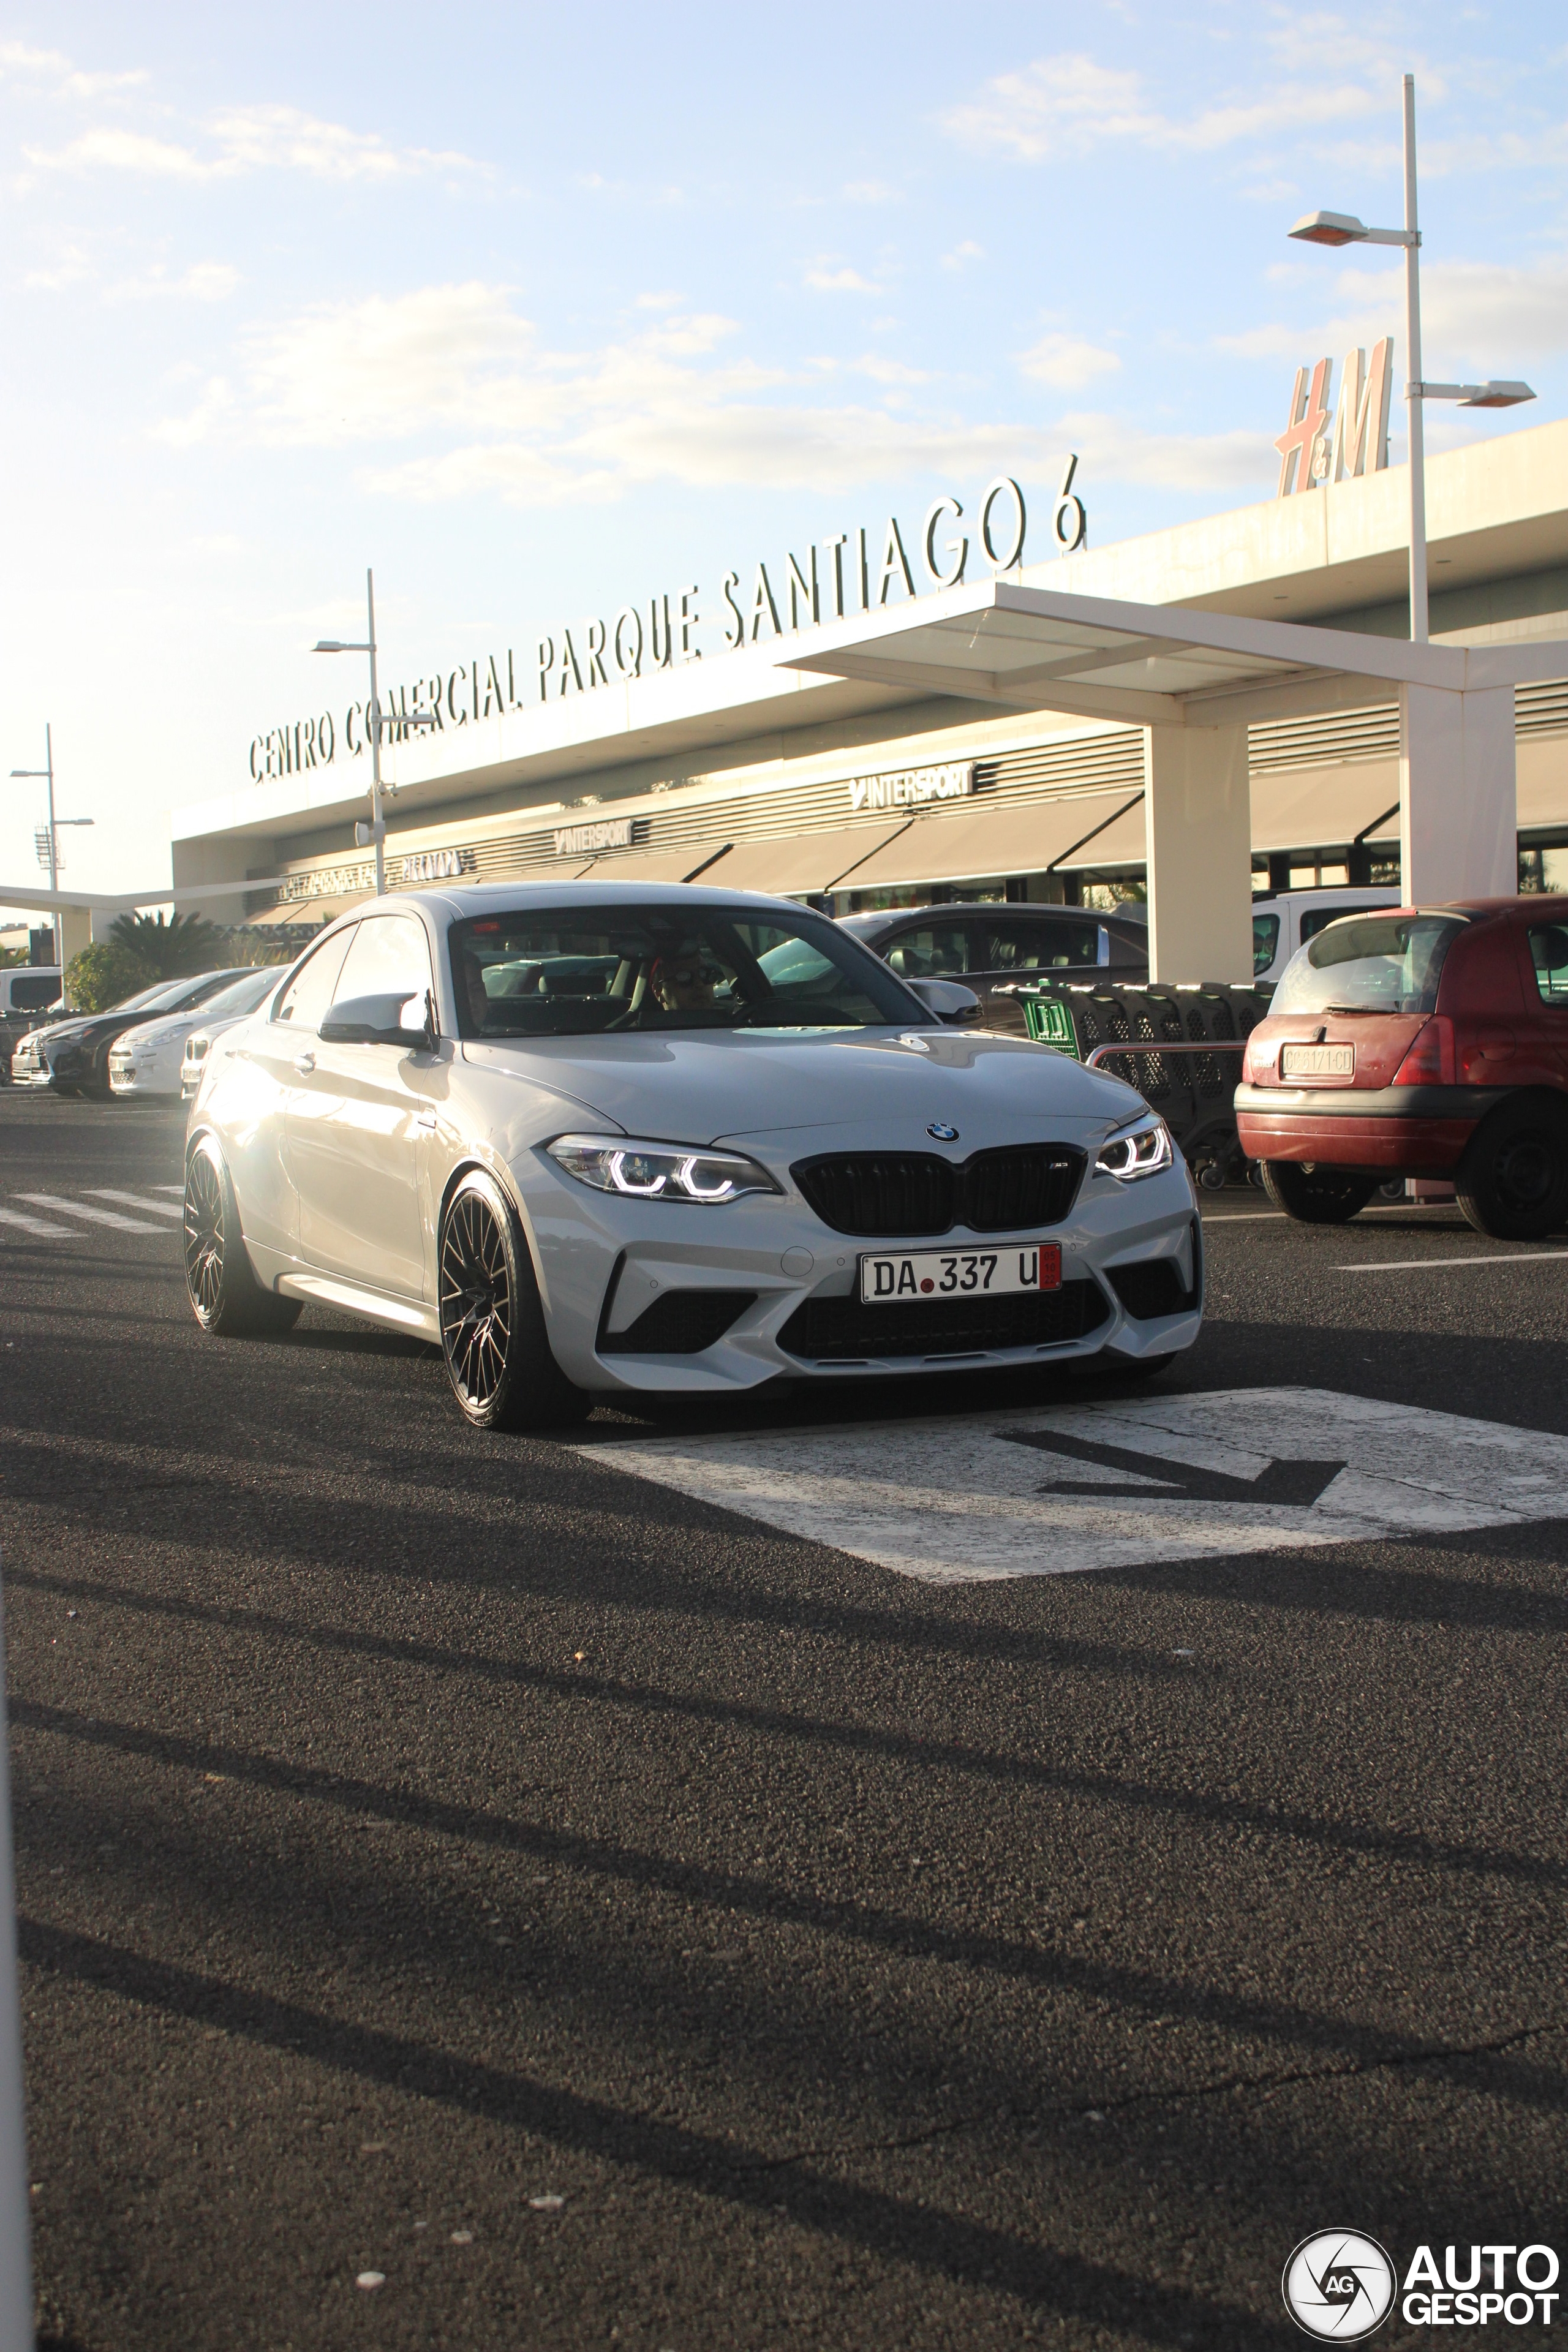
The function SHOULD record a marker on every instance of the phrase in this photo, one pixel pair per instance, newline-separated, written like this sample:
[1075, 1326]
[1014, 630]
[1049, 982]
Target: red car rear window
[1370, 964]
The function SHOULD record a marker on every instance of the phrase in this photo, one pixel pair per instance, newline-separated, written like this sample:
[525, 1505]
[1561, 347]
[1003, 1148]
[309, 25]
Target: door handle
[304, 1063]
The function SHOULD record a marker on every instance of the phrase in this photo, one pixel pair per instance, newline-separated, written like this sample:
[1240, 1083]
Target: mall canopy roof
[1147, 665]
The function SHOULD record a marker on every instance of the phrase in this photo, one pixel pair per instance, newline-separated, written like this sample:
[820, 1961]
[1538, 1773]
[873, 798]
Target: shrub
[103, 976]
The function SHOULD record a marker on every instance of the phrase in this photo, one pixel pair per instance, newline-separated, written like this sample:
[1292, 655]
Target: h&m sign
[1320, 445]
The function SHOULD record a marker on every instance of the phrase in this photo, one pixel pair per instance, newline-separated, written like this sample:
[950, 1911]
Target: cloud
[203, 281]
[249, 139]
[1064, 105]
[1476, 316]
[1067, 361]
[20, 63]
[825, 280]
[967, 251]
[870, 192]
[456, 371]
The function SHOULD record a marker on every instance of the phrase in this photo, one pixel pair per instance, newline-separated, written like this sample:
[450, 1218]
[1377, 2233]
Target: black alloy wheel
[1315, 1195]
[1512, 1182]
[492, 1324]
[220, 1282]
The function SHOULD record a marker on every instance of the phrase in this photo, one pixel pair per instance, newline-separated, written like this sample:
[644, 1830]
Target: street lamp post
[377, 828]
[1344, 228]
[55, 824]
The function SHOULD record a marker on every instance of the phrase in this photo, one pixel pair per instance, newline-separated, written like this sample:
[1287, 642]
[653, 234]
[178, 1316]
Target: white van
[1284, 921]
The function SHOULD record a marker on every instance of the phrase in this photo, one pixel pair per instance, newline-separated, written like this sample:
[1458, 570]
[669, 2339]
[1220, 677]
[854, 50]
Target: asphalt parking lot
[605, 1915]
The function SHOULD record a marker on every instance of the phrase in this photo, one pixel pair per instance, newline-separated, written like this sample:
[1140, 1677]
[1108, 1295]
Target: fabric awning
[1309, 808]
[997, 841]
[803, 861]
[657, 865]
[1543, 777]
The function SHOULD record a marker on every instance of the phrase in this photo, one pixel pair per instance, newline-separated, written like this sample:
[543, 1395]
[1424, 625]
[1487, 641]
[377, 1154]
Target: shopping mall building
[674, 740]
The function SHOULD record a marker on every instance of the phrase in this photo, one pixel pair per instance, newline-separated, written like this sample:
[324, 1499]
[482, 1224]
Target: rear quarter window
[1549, 954]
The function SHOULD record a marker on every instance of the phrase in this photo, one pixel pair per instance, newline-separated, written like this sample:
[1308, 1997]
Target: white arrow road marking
[94, 1216]
[135, 1201]
[956, 1501]
[33, 1224]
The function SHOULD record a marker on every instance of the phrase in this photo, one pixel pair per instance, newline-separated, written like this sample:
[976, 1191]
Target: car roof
[489, 897]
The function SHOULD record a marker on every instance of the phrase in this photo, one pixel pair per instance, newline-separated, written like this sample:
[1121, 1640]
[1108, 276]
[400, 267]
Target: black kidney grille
[843, 1330]
[679, 1323]
[879, 1191]
[903, 1192]
[1005, 1191]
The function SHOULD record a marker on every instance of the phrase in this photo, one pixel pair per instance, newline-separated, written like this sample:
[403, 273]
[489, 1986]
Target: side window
[388, 958]
[1265, 941]
[1314, 919]
[1549, 954]
[30, 996]
[936, 951]
[1040, 947]
[314, 986]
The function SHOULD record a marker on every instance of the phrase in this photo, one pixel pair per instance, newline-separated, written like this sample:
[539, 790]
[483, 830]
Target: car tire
[1512, 1182]
[220, 1282]
[493, 1334]
[1317, 1195]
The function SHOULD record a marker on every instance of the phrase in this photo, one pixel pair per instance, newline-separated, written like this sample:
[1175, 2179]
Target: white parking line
[1445, 1265]
[94, 1216]
[33, 1225]
[135, 1201]
[168, 1188]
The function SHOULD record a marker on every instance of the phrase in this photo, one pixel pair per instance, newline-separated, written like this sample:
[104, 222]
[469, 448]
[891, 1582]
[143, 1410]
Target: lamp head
[327, 645]
[1504, 394]
[1329, 229]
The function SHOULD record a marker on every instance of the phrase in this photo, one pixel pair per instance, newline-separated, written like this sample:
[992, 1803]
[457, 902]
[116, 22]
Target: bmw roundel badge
[942, 1133]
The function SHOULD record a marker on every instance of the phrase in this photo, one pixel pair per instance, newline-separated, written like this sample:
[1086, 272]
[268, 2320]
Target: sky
[542, 311]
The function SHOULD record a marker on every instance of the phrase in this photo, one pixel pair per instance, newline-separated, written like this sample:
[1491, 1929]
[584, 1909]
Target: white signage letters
[1317, 446]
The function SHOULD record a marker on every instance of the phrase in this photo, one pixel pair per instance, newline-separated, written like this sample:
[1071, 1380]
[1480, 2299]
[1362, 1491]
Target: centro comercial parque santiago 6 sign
[854, 571]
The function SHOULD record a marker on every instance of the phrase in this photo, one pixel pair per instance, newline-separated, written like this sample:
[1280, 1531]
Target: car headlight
[1140, 1150]
[658, 1172]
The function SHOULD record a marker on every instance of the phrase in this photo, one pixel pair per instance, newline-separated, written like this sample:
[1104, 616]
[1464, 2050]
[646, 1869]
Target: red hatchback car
[1428, 1040]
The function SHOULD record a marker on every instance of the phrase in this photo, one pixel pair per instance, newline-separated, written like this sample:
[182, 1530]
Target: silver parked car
[615, 1137]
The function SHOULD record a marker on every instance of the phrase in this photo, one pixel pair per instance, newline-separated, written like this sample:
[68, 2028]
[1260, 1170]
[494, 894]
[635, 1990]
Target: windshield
[148, 996]
[245, 995]
[1370, 964]
[575, 972]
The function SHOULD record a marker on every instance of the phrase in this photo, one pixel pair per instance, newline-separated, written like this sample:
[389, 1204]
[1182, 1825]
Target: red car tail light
[1429, 1060]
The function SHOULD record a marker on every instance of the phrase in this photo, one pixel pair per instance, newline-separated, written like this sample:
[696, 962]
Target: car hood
[703, 1086]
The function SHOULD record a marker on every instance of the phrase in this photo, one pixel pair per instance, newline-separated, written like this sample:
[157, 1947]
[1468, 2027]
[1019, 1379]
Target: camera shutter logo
[1338, 2285]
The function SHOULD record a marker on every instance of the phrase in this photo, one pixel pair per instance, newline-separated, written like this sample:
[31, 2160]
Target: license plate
[1316, 1061]
[927, 1275]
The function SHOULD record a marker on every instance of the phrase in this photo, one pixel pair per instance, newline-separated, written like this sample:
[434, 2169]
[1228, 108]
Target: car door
[246, 1097]
[353, 1126]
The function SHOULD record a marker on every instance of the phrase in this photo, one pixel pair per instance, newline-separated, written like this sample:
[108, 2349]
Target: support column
[1458, 805]
[1198, 829]
[74, 927]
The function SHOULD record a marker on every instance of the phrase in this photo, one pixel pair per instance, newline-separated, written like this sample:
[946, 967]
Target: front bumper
[1406, 1130]
[605, 1261]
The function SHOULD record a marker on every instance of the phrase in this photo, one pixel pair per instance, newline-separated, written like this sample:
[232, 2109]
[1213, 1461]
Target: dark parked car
[72, 1056]
[1428, 1042]
[986, 946]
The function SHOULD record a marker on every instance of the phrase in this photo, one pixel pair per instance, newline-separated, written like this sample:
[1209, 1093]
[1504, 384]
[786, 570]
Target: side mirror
[383, 1021]
[952, 1003]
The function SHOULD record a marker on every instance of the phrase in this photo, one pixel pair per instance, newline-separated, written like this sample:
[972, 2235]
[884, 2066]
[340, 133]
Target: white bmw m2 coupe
[602, 1137]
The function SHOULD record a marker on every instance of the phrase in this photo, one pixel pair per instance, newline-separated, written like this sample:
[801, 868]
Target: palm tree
[170, 948]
